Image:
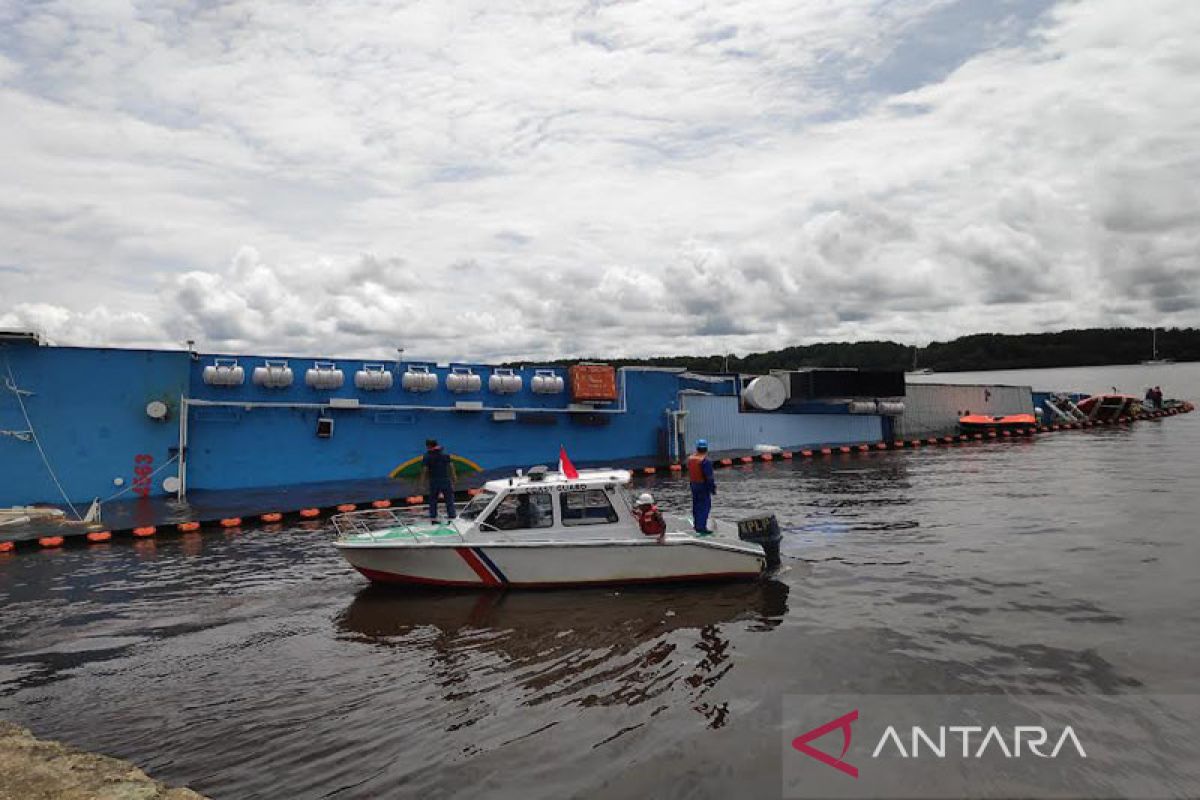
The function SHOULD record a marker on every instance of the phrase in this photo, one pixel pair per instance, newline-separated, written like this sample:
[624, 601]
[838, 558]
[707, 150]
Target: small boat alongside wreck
[47, 519]
[975, 423]
[19, 515]
[544, 530]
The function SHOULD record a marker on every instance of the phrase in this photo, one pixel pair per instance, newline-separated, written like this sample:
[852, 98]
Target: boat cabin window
[588, 507]
[478, 503]
[520, 511]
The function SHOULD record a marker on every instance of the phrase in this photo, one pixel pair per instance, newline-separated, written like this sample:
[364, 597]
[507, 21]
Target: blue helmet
[702, 444]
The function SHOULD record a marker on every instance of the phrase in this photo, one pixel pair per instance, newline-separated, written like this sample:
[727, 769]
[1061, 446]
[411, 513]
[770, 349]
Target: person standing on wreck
[700, 476]
[437, 473]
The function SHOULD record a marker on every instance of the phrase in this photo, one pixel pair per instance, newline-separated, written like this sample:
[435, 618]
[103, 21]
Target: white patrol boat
[543, 529]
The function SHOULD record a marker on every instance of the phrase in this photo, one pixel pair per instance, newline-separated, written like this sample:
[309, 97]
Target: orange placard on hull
[593, 383]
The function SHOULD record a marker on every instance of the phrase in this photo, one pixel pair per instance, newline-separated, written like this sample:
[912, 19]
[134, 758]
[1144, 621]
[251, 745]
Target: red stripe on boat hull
[480, 569]
[395, 577]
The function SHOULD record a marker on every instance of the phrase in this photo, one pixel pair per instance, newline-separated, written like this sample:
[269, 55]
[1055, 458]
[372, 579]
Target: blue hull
[87, 408]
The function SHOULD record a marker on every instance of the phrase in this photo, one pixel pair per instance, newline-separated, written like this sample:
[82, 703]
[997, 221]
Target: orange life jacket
[695, 465]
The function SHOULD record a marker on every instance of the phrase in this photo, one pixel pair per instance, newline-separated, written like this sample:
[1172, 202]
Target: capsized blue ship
[85, 423]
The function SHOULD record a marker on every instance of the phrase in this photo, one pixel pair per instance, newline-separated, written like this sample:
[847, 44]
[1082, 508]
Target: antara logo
[843, 722]
[938, 744]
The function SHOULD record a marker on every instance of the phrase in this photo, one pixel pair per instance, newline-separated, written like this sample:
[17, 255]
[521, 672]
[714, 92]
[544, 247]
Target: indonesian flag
[564, 464]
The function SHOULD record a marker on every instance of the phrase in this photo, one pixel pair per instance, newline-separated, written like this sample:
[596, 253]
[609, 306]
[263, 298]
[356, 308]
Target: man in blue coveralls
[700, 476]
[437, 473]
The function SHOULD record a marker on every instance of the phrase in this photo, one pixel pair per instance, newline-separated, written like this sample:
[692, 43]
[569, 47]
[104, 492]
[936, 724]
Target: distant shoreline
[1063, 366]
[981, 352]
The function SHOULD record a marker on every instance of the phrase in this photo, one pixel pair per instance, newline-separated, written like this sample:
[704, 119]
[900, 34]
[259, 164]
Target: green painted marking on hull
[404, 533]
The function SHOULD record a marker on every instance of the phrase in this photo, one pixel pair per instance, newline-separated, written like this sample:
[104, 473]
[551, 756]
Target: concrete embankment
[32, 769]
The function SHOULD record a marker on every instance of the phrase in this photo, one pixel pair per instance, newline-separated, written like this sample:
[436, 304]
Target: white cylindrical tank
[462, 380]
[765, 393]
[504, 381]
[891, 408]
[273, 375]
[324, 375]
[546, 382]
[373, 378]
[419, 379]
[861, 407]
[224, 372]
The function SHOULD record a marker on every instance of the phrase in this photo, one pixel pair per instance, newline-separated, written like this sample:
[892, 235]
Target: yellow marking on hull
[396, 472]
[466, 462]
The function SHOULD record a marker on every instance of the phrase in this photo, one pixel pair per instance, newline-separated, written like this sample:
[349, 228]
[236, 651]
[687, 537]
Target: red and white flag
[564, 464]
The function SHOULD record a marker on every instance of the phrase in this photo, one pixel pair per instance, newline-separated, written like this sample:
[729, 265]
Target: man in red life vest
[700, 476]
[649, 519]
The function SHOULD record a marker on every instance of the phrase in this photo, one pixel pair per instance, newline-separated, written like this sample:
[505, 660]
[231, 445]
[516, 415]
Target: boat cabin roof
[588, 479]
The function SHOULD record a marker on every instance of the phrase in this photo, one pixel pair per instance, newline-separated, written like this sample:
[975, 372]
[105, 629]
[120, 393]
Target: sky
[490, 181]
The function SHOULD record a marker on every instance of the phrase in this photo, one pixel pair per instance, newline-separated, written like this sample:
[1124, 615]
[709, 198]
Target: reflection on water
[535, 622]
[254, 663]
[591, 647]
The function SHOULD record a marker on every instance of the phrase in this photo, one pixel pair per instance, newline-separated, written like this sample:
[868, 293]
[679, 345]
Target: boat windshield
[478, 503]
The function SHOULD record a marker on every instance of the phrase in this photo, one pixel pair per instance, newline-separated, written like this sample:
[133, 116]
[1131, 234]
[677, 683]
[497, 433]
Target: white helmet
[644, 499]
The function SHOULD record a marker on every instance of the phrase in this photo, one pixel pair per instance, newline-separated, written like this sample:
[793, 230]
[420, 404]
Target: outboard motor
[762, 530]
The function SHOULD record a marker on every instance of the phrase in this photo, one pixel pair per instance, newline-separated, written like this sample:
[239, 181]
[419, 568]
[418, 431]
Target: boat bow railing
[375, 522]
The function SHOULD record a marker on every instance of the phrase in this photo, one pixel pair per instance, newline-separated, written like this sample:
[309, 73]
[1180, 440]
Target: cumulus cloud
[627, 179]
[97, 326]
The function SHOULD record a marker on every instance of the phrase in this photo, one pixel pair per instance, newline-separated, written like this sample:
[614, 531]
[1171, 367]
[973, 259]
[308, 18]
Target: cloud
[98, 326]
[626, 179]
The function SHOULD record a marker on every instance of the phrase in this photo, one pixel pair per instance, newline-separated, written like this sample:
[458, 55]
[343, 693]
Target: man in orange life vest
[649, 518]
[700, 476]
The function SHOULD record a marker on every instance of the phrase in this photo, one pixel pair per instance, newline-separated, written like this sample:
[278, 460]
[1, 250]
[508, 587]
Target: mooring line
[19, 394]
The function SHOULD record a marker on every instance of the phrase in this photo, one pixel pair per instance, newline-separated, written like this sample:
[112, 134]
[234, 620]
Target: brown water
[256, 664]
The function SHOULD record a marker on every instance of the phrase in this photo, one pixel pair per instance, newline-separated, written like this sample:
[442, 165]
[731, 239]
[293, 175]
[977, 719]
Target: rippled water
[256, 664]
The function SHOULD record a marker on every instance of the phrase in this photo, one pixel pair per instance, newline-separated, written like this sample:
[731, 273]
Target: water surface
[255, 664]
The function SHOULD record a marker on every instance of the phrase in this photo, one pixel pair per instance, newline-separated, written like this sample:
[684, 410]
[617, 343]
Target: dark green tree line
[983, 351]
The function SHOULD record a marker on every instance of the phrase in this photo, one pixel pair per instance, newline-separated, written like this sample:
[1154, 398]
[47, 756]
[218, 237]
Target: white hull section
[501, 564]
